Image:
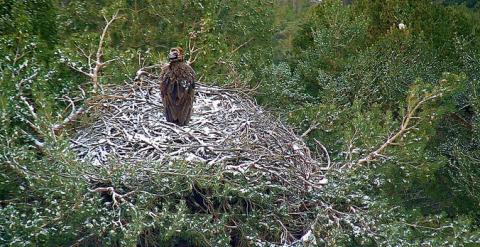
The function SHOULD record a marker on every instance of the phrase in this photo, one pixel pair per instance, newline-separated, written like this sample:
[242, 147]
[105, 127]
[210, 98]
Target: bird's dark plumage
[177, 88]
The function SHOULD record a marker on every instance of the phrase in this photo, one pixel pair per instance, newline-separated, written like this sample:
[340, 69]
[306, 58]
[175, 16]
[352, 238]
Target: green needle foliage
[343, 73]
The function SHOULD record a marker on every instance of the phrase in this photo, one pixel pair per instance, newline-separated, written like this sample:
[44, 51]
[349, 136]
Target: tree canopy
[386, 92]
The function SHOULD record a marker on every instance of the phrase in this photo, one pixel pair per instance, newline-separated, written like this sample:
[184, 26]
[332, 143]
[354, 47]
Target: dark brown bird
[177, 88]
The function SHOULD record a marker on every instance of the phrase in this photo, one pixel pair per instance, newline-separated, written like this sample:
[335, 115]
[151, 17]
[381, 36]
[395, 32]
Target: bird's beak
[172, 55]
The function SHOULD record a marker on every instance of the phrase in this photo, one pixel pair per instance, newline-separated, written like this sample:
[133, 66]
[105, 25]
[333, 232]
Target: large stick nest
[228, 134]
[227, 131]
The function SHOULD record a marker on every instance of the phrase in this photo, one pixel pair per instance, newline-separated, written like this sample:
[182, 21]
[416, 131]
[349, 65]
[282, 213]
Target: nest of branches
[227, 130]
[228, 133]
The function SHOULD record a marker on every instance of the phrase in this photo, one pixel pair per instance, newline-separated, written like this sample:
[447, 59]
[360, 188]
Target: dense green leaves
[346, 73]
[363, 71]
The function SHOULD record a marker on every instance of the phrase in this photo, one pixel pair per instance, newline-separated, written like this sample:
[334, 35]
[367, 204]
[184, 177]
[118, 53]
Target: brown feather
[177, 90]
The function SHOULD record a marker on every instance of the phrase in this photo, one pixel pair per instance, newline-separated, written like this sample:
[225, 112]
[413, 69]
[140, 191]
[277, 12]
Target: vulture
[177, 88]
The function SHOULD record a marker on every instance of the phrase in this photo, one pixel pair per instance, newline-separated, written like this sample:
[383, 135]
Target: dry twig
[192, 50]
[405, 127]
[96, 66]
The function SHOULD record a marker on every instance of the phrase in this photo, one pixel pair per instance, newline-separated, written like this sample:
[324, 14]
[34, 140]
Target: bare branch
[94, 67]
[93, 74]
[98, 62]
[116, 197]
[326, 154]
[19, 54]
[405, 127]
[74, 114]
[143, 73]
[310, 129]
[192, 51]
[30, 107]
[109, 61]
[102, 36]
[240, 46]
[79, 70]
[88, 57]
[40, 145]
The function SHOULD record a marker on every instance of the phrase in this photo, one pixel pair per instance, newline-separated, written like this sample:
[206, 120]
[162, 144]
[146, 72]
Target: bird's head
[175, 55]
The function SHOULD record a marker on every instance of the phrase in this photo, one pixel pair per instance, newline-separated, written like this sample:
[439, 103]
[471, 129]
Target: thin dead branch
[240, 46]
[312, 127]
[95, 66]
[72, 117]
[93, 73]
[117, 198]
[325, 151]
[192, 49]
[31, 110]
[405, 127]
[99, 55]
[40, 145]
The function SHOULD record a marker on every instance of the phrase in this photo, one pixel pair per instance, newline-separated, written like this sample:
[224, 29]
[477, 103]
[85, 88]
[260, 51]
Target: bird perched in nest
[177, 88]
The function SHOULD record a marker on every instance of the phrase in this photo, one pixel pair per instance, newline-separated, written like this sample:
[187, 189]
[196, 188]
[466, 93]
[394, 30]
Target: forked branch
[192, 50]
[96, 66]
[117, 198]
[93, 73]
[405, 127]
[31, 110]
[74, 114]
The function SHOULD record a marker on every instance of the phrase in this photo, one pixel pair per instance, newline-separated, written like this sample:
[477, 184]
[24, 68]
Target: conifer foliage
[385, 94]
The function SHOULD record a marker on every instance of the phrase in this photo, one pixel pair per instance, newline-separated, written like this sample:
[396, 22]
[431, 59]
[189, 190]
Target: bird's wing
[183, 90]
[164, 80]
